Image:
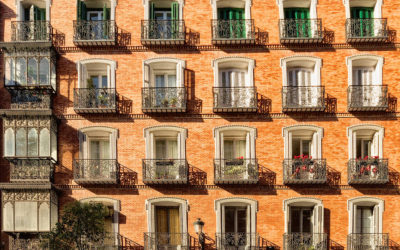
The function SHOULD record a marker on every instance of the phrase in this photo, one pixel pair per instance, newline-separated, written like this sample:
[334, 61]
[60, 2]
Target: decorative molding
[379, 128]
[377, 203]
[315, 128]
[165, 59]
[165, 128]
[98, 128]
[235, 127]
[378, 58]
[300, 58]
[290, 201]
[236, 199]
[250, 61]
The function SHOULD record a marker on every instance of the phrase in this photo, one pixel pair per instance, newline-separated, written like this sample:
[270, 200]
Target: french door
[232, 23]
[365, 227]
[96, 28]
[166, 153]
[363, 78]
[236, 224]
[168, 227]
[99, 151]
[233, 92]
[300, 90]
[164, 93]
[298, 23]
[301, 220]
[363, 26]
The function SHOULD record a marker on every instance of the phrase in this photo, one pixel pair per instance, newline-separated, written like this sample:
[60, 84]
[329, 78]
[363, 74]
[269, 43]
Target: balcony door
[163, 24]
[165, 92]
[36, 29]
[96, 26]
[301, 92]
[235, 163]
[301, 220]
[99, 153]
[363, 21]
[233, 91]
[363, 79]
[168, 228]
[166, 155]
[365, 228]
[236, 227]
[232, 23]
[297, 22]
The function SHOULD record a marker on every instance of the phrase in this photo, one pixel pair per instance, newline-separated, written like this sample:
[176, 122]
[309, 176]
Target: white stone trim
[148, 138]
[377, 7]
[84, 133]
[247, 8]
[180, 69]
[370, 201]
[250, 67]
[313, 8]
[146, 5]
[316, 71]
[350, 134]
[287, 135]
[98, 128]
[81, 65]
[162, 201]
[367, 57]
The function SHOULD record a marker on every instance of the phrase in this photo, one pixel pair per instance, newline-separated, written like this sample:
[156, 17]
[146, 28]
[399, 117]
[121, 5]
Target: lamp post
[198, 228]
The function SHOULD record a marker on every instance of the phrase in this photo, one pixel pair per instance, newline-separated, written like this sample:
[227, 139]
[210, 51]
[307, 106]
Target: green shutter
[42, 14]
[108, 12]
[303, 27]
[36, 14]
[78, 10]
[366, 27]
[152, 16]
[83, 11]
[175, 10]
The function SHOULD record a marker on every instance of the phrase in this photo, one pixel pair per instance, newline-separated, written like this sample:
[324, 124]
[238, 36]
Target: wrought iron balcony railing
[166, 32]
[89, 33]
[305, 98]
[31, 170]
[235, 99]
[90, 100]
[368, 171]
[169, 99]
[165, 171]
[304, 171]
[96, 171]
[31, 31]
[241, 31]
[367, 30]
[359, 241]
[235, 171]
[110, 241]
[155, 241]
[305, 241]
[230, 241]
[300, 30]
[367, 98]
[30, 98]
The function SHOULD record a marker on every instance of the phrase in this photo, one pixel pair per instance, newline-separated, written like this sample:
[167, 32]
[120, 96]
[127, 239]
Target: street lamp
[198, 228]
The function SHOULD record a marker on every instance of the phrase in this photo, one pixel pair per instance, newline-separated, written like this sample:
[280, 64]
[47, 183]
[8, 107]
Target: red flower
[366, 157]
[375, 170]
[304, 168]
[376, 157]
[297, 170]
[311, 170]
[368, 168]
[362, 170]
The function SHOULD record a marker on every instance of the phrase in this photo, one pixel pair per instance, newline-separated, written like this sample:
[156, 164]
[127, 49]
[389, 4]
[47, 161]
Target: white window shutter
[376, 220]
[82, 145]
[375, 145]
[248, 220]
[179, 75]
[181, 147]
[113, 145]
[289, 145]
[354, 146]
[356, 221]
[221, 146]
[289, 219]
[152, 153]
[314, 146]
[109, 77]
[248, 146]
[146, 75]
[318, 215]
[223, 218]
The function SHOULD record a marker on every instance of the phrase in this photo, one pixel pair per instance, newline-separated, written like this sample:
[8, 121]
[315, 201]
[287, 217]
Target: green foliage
[80, 224]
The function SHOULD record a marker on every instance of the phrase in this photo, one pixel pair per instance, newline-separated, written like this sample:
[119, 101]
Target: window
[364, 220]
[165, 142]
[98, 143]
[233, 72]
[231, 10]
[303, 140]
[365, 216]
[92, 10]
[365, 140]
[166, 148]
[363, 9]
[234, 142]
[96, 73]
[163, 72]
[235, 219]
[297, 9]
[301, 219]
[168, 225]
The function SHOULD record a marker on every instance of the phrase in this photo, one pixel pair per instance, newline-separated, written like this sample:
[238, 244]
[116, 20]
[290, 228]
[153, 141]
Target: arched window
[9, 142]
[44, 142]
[365, 216]
[21, 142]
[96, 73]
[32, 142]
[44, 74]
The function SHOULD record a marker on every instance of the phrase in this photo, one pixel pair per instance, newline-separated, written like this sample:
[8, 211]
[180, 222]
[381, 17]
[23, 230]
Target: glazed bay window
[165, 161]
[95, 23]
[163, 85]
[303, 163]
[163, 23]
[366, 165]
[96, 87]
[97, 162]
[235, 161]
[365, 91]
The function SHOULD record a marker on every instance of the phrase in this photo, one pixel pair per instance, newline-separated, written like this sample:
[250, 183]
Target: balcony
[31, 170]
[368, 171]
[358, 241]
[164, 100]
[305, 241]
[165, 171]
[367, 98]
[166, 241]
[228, 241]
[366, 30]
[94, 33]
[28, 99]
[91, 100]
[304, 171]
[295, 31]
[303, 99]
[235, 171]
[96, 171]
[31, 31]
[240, 31]
[235, 99]
[163, 32]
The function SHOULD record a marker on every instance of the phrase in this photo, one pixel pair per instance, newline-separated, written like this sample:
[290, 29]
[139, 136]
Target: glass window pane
[9, 71]
[229, 219]
[44, 142]
[44, 69]
[105, 150]
[306, 147]
[9, 142]
[95, 81]
[242, 220]
[32, 71]
[21, 142]
[240, 150]
[44, 217]
[94, 150]
[358, 148]
[295, 220]
[171, 81]
[53, 75]
[172, 149]
[21, 71]
[104, 81]
[160, 81]
[296, 147]
[307, 228]
[32, 142]
[26, 216]
[161, 149]
[228, 149]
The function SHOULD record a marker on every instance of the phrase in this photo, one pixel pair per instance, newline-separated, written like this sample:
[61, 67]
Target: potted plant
[103, 100]
[90, 96]
[174, 101]
[165, 102]
[235, 162]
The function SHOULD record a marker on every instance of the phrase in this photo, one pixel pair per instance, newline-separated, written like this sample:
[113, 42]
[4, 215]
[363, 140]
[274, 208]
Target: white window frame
[377, 4]
[146, 5]
[365, 60]
[296, 131]
[149, 70]
[235, 63]
[247, 7]
[314, 64]
[85, 135]
[378, 135]
[151, 133]
[99, 13]
[318, 212]
[376, 203]
[83, 73]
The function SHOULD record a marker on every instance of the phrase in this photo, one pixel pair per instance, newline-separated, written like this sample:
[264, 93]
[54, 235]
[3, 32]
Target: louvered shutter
[375, 145]
[376, 220]
[318, 215]
[354, 145]
[113, 145]
[290, 145]
[82, 145]
[314, 146]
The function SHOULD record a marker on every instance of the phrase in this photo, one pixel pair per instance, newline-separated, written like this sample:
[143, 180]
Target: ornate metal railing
[95, 100]
[165, 171]
[167, 99]
[96, 171]
[368, 171]
[155, 241]
[231, 30]
[305, 241]
[97, 32]
[357, 241]
[235, 171]
[109, 241]
[235, 99]
[304, 171]
[31, 31]
[41, 170]
[305, 98]
[371, 29]
[304, 30]
[30, 98]
[231, 241]
[367, 97]
[31, 243]
[163, 30]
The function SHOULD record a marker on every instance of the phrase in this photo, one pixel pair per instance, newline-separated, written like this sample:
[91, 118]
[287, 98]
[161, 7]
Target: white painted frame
[352, 137]
[150, 140]
[316, 73]
[82, 72]
[146, 5]
[313, 7]
[234, 59]
[318, 135]
[377, 203]
[21, 13]
[148, 74]
[364, 3]
[247, 8]
[379, 60]
[84, 137]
